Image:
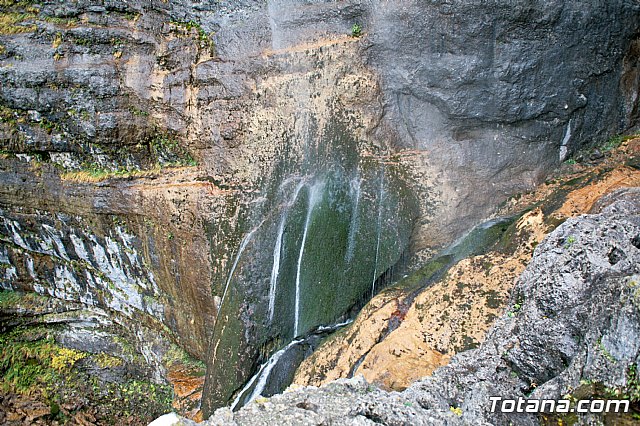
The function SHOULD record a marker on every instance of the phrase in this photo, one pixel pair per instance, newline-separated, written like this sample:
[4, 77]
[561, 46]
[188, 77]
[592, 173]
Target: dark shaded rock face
[311, 161]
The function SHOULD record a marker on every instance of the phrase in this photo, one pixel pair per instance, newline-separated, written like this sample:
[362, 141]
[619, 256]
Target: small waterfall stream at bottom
[277, 372]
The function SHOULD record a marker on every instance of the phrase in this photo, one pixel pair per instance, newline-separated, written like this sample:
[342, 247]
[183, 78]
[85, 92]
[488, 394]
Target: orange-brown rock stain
[187, 391]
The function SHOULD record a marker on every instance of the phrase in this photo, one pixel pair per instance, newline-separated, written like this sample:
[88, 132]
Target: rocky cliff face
[410, 329]
[238, 173]
[572, 329]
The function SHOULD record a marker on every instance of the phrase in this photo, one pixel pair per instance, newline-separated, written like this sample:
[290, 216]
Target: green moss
[589, 389]
[27, 365]
[32, 363]
[104, 360]
[178, 356]
[15, 299]
[169, 152]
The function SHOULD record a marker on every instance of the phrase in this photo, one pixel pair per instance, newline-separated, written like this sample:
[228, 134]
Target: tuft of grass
[16, 23]
[612, 143]
[356, 30]
[96, 173]
[61, 22]
[57, 41]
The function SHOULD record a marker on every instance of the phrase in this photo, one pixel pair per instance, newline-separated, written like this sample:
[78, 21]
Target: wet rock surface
[573, 319]
[418, 324]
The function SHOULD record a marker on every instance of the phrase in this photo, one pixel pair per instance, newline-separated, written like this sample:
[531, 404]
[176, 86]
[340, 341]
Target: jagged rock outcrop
[379, 146]
[573, 327]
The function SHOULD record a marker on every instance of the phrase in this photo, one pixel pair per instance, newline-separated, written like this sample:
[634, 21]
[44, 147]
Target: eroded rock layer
[235, 174]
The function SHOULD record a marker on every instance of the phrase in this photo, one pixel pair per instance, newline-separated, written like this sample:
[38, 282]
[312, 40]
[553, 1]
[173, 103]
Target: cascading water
[354, 189]
[307, 266]
[258, 382]
[275, 269]
[262, 376]
[243, 246]
[315, 193]
[378, 231]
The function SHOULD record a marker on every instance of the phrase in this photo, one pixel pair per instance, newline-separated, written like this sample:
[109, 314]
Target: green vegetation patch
[33, 365]
[176, 356]
[189, 27]
[16, 23]
[27, 365]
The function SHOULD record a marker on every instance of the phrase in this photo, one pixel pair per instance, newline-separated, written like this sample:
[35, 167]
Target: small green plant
[132, 16]
[612, 143]
[570, 161]
[356, 30]
[632, 389]
[456, 410]
[205, 39]
[84, 41]
[516, 307]
[138, 112]
[604, 351]
[570, 241]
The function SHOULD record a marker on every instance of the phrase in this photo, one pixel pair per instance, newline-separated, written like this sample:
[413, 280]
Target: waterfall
[333, 327]
[262, 376]
[375, 267]
[314, 196]
[275, 269]
[243, 245]
[353, 226]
